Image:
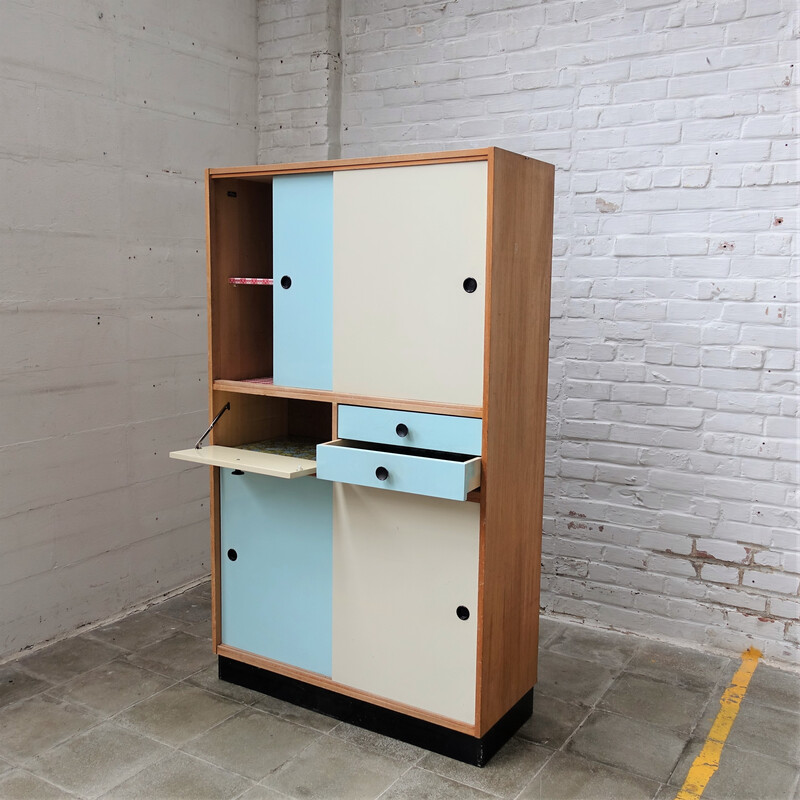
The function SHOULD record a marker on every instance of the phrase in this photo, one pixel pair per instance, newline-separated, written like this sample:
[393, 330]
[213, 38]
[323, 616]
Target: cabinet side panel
[402, 565]
[405, 239]
[521, 226]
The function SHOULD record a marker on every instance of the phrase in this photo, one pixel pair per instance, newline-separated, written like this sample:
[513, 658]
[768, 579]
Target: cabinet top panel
[266, 171]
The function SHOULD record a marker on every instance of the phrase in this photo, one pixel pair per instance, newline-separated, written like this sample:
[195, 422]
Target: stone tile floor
[134, 710]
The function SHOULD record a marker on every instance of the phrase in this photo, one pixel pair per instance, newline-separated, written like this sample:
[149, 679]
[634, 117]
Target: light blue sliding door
[302, 217]
[277, 567]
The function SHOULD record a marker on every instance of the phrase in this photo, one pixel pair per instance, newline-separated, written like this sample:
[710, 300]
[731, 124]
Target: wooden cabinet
[379, 337]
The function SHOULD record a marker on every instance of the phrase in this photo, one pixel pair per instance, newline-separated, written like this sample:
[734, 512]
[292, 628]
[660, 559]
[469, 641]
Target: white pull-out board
[277, 466]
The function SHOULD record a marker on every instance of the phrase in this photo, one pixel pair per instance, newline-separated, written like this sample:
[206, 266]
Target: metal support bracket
[214, 421]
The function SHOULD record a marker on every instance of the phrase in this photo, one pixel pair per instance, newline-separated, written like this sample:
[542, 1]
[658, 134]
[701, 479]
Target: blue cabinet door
[302, 219]
[277, 566]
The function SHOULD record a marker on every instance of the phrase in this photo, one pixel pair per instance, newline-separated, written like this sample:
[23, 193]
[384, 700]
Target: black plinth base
[460, 746]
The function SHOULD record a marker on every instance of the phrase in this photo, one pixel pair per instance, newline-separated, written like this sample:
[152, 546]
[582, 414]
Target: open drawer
[267, 458]
[447, 475]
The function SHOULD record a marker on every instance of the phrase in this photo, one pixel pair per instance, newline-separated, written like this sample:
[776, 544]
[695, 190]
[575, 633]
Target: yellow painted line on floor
[707, 763]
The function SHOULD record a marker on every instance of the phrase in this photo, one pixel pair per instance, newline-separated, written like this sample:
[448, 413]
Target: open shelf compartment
[241, 258]
[274, 436]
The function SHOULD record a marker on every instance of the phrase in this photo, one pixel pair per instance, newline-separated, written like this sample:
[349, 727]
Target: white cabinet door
[406, 243]
[405, 573]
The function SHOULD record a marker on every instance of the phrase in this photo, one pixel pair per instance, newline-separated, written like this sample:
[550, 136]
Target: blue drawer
[411, 429]
[434, 475]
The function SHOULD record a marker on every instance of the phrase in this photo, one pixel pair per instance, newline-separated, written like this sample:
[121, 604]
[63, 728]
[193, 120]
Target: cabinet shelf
[266, 387]
[251, 281]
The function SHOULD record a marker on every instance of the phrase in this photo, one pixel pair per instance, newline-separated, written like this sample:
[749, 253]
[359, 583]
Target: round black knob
[286, 282]
[470, 285]
[462, 612]
[381, 473]
[401, 430]
[237, 472]
[232, 554]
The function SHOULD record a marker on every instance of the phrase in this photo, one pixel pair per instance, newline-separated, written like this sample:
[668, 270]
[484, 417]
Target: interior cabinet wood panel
[239, 243]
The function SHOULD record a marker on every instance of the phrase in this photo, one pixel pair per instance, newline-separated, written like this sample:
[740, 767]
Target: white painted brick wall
[673, 453]
[110, 113]
[299, 81]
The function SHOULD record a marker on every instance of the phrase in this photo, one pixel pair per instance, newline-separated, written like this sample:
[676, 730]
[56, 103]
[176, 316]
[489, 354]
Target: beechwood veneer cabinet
[378, 342]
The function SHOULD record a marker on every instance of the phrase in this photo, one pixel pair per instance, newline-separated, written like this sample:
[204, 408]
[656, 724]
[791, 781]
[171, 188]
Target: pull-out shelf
[263, 463]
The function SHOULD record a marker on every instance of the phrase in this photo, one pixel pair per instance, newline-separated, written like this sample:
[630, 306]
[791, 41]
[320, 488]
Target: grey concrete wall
[109, 113]
[671, 489]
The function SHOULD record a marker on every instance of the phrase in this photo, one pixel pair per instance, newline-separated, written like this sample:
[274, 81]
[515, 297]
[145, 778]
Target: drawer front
[345, 462]
[411, 429]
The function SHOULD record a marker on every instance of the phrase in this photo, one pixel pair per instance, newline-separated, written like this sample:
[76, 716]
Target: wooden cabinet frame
[516, 331]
